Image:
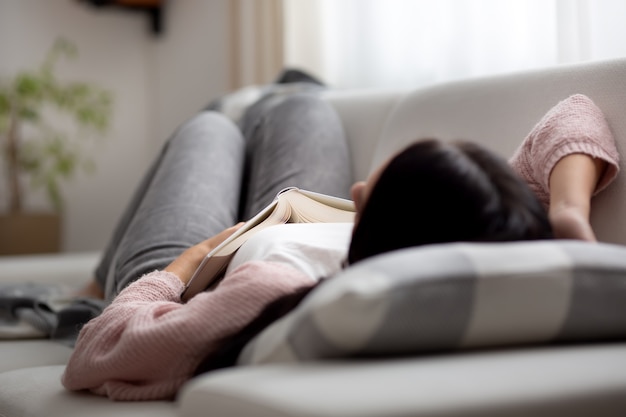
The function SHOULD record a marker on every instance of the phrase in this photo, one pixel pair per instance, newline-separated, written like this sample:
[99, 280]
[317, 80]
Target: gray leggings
[209, 176]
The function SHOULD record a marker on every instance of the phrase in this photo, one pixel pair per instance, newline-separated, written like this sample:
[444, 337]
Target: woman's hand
[186, 264]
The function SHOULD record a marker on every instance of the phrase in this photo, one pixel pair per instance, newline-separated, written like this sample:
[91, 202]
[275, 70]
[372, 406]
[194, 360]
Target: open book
[291, 205]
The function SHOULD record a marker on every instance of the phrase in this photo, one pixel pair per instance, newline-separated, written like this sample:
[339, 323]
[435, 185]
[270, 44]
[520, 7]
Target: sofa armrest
[65, 268]
[544, 381]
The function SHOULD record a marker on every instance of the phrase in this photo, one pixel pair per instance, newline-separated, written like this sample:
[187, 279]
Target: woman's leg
[294, 140]
[190, 193]
[572, 183]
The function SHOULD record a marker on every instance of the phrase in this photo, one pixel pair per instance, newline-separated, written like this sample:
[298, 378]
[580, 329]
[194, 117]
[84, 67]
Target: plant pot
[30, 233]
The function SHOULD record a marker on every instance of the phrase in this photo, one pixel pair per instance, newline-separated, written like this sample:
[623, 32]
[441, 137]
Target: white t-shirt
[316, 249]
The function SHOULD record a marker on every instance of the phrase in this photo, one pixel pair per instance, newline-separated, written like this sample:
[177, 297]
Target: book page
[212, 267]
[306, 209]
[275, 213]
[291, 205]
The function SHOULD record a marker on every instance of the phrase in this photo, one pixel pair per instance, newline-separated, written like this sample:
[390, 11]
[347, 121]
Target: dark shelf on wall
[153, 9]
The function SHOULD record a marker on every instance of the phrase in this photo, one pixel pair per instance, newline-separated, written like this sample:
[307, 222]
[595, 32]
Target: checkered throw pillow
[456, 296]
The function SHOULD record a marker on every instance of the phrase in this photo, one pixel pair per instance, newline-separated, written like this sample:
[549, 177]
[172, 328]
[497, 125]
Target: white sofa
[572, 379]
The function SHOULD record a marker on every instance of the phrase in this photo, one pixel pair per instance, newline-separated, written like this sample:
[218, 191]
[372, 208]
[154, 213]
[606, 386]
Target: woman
[146, 343]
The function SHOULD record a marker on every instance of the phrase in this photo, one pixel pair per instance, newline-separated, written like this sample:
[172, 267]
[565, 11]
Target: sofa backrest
[363, 114]
[499, 112]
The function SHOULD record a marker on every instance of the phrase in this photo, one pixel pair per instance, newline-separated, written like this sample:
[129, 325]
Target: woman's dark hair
[431, 192]
[435, 192]
[230, 348]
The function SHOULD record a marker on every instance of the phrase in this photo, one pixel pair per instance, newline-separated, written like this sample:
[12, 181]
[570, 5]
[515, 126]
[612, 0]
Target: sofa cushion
[15, 354]
[456, 296]
[363, 114]
[38, 392]
[72, 268]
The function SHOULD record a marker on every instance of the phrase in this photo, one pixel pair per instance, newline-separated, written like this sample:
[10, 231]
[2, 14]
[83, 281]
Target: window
[408, 43]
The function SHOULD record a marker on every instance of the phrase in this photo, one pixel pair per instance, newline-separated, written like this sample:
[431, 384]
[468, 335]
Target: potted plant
[38, 154]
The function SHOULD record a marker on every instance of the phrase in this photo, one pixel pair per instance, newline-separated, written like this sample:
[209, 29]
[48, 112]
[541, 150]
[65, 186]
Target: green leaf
[5, 104]
[46, 155]
[28, 86]
[29, 114]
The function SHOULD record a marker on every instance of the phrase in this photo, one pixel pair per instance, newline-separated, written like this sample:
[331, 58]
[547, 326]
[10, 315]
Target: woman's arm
[146, 344]
[568, 157]
[573, 181]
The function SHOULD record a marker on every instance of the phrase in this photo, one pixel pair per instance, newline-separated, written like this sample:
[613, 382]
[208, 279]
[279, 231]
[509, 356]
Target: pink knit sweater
[146, 344]
[574, 125]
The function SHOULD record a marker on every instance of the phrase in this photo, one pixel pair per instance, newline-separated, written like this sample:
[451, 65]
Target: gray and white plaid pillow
[456, 296]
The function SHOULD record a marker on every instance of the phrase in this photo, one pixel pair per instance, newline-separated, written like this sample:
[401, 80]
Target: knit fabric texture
[574, 125]
[146, 344]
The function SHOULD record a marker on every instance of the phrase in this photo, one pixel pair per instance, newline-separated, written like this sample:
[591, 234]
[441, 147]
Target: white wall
[156, 82]
[191, 61]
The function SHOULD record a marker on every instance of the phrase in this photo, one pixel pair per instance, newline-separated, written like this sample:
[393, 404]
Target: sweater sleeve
[146, 344]
[574, 125]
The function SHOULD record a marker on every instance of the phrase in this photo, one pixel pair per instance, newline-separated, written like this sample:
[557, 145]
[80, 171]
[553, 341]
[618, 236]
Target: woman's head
[436, 192]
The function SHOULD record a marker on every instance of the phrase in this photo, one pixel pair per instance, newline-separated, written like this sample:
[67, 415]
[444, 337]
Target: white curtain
[256, 41]
[400, 43]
